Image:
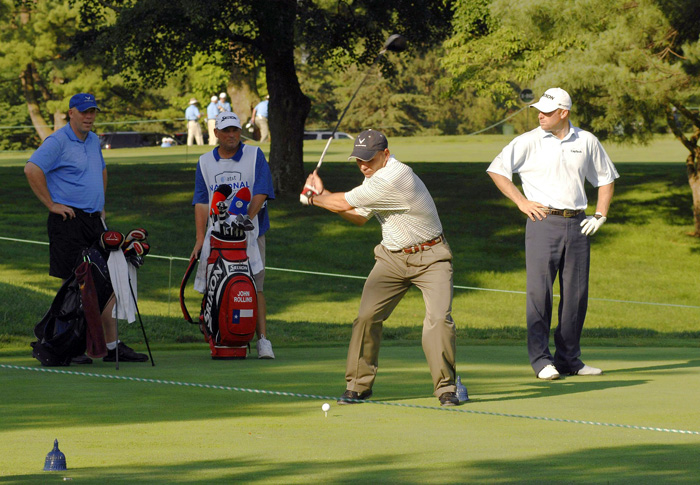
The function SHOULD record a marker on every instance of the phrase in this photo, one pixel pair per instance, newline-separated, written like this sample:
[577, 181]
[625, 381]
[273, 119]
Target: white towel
[119, 273]
[253, 253]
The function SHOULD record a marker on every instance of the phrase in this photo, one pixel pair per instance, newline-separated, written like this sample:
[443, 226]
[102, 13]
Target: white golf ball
[326, 407]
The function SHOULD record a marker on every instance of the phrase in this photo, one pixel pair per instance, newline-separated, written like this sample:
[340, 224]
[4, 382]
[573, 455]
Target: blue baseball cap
[83, 102]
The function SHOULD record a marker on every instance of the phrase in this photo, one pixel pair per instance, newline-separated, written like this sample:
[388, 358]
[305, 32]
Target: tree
[624, 62]
[151, 38]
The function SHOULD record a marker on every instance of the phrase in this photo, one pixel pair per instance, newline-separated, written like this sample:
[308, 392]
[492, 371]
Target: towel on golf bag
[95, 336]
[253, 253]
[120, 274]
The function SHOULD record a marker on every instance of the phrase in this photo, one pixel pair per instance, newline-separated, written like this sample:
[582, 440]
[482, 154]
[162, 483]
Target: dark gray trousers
[556, 245]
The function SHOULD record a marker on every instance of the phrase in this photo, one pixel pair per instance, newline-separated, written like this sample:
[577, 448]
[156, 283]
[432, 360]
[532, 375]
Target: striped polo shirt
[400, 202]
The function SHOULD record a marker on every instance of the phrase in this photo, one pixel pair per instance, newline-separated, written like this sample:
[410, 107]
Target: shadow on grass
[644, 463]
[485, 230]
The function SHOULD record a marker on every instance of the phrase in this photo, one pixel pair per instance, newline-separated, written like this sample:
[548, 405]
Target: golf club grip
[186, 277]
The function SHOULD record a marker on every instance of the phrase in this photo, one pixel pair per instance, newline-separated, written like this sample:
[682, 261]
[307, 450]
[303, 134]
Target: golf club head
[396, 43]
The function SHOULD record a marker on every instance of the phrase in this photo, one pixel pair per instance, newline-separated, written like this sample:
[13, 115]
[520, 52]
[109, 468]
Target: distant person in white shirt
[553, 161]
[212, 112]
[413, 251]
[194, 131]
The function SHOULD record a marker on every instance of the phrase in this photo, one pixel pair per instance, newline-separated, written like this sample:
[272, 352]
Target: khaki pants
[261, 123]
[211, 124]
[194, 131]
[393, 274]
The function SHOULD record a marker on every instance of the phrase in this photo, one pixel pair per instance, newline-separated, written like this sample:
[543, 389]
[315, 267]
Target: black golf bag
[61, 333]
[229, 307]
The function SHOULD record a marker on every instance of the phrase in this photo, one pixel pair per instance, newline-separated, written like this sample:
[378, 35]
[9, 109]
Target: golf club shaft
[328, 144]
[143, 330]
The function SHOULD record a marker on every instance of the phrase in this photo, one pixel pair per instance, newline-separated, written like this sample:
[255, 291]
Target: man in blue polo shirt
[237, 165]
[67, 173]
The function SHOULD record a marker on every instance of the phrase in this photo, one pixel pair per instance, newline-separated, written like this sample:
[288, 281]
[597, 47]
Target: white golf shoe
[548, 373]
[265, 349]
[587, 370]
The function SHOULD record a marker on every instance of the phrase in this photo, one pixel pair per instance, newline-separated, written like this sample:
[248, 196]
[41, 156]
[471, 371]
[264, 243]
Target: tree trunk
[289, 107]
[243, 93]
[27, 79]
[694, 182]
[692, 163]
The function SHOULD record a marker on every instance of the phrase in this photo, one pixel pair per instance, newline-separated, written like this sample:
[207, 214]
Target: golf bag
[61, 333]
[229, 307]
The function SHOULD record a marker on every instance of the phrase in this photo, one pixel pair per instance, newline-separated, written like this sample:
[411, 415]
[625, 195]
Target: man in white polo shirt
[413, 251]
[553, 161]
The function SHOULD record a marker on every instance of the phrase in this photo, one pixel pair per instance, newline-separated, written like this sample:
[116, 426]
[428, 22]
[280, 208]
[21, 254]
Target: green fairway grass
[645, 274]
[190, 419]
[515, 430]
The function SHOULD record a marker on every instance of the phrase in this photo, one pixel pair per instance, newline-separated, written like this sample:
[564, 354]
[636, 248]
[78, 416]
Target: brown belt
[421, 246]
[563, 212]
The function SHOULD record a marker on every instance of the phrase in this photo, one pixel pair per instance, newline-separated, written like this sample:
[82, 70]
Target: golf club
[395, 43]
[143, 330]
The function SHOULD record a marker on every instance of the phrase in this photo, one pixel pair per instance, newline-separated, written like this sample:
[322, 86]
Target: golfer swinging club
[413, 251]
[553, 161]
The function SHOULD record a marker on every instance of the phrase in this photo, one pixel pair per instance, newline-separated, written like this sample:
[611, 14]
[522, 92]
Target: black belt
[563, 212]
[421, 246]
[87, 214]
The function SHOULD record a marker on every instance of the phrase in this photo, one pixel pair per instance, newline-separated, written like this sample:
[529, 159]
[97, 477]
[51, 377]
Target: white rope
[330, 398]
[339, 275]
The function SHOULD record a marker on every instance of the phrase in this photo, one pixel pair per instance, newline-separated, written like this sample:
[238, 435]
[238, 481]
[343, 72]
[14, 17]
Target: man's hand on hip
[591, 224]
[533, 209]
[62, 210]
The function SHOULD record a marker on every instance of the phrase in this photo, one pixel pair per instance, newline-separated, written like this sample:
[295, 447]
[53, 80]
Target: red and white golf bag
[229, 309]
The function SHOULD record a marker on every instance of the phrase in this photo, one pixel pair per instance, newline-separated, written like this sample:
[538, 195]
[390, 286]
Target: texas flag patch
[240, 201]
[238, 314]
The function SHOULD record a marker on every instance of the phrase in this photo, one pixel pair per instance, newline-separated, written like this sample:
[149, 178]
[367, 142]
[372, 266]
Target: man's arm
[256, 204]
[507, 187]
[201, 214]
[37, 182]
[104, 186]
[605, 195]
[335, 202]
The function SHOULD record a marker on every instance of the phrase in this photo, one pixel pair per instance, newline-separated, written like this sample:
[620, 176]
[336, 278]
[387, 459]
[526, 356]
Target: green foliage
[612, 62]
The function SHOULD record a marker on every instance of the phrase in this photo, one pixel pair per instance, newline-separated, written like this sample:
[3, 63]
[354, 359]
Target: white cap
[553, 99]
[193, 100]
[222, 95]
[226, 119]
[213, 99]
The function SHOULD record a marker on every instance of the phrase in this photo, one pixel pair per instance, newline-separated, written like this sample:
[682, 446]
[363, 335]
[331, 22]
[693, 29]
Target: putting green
[615, 428]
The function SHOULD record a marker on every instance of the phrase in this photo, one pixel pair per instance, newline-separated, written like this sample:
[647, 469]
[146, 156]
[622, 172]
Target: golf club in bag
[229, 309]
[395, 43]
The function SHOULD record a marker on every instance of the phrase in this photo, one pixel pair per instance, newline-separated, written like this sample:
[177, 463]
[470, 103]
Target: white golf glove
[591, 224]
[307, 193]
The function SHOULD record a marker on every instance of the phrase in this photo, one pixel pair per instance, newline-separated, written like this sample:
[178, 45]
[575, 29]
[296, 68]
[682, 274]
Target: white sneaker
[548, 373]
[265, 349]
[587, 370]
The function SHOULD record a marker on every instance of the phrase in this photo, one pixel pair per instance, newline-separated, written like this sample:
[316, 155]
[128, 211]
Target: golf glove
[591, 224]
[306, 194]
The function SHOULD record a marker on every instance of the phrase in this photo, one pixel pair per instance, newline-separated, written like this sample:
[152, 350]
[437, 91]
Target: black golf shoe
[448, 399]
[352, 397]
[126, 354]
[81, 359]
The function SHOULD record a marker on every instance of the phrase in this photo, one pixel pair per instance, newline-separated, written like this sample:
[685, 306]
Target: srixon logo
[548, 96]
[214, 278]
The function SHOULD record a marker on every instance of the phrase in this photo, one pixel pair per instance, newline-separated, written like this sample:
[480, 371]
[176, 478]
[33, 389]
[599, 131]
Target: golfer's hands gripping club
[312, 188]
[591, 224]
[307, 193]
